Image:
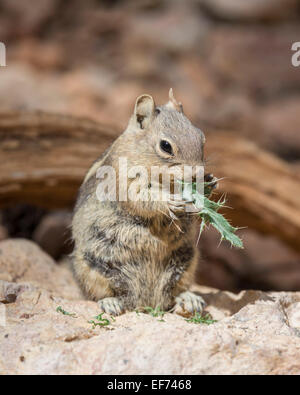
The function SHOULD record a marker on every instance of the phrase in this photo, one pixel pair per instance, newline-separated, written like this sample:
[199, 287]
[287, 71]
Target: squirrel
[134, 254]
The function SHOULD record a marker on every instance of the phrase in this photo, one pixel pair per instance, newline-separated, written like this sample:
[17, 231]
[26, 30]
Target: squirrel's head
[161, 137]
[165, 134]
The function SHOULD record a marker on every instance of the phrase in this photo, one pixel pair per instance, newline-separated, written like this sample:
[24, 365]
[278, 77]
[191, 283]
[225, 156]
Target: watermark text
[296, 55]
[154, 184]
[2, 55]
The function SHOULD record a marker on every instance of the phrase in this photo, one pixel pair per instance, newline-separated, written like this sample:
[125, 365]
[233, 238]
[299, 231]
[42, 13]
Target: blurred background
[229, 63]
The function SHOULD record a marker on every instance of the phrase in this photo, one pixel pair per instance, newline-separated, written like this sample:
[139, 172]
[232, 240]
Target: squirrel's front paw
[189, 303]
[211, 184]
[112, 306]
[177, 205]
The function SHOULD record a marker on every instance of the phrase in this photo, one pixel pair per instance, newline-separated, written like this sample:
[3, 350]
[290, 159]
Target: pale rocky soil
[256, 332]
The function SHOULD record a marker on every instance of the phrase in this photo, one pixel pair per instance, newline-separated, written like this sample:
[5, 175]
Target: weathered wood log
[44, 158]
[263, 190]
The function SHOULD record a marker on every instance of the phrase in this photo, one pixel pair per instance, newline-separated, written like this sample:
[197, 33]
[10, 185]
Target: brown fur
[134, 251]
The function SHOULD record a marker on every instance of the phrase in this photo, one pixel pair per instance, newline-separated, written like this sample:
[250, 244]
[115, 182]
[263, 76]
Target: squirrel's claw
[189, 303]
[112, 306]
[212, 183]
[178, 204]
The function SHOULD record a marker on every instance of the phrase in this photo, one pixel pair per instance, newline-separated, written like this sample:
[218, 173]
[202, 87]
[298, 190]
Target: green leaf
[64, 312]
[157, 312]
[227, 231]
[199, 319]
[208, 211]
[100, 321]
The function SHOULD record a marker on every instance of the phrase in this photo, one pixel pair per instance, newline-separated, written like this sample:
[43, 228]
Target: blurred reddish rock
[232, 111]
[176, 28]
[281, 123]
[251, 10]
[265, 263]
[53, 234]
[42, 55]
[23, 87]
[94, 92]
[26, 17]
[86, 93]
[255, 61]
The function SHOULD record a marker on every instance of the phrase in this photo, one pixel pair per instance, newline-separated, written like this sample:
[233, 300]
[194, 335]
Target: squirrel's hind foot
[112, 306]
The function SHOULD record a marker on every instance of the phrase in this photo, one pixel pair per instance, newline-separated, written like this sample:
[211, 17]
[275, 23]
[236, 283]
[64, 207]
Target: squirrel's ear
[144, 110]
[173, 103]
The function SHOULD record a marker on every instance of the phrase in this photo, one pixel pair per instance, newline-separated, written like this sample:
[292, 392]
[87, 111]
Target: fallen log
[263, 189]
[44, 158]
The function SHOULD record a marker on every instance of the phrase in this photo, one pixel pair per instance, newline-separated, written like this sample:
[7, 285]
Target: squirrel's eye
[166, 147]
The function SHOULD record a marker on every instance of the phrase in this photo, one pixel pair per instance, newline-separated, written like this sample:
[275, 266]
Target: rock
[177, 28]
[39, 340]
[26, 88]
[251, 10]
[29, 51]
[260, 59]
[27, 17]
[281, 125]
[53, 234]
[256, 332]
[22, 261]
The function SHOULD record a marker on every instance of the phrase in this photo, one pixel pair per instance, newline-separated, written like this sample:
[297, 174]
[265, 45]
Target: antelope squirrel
[133, 254]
